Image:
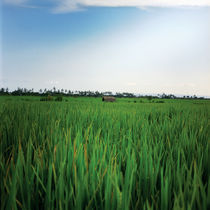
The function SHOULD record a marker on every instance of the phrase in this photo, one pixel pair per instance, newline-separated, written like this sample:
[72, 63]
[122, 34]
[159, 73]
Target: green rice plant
[86, 154]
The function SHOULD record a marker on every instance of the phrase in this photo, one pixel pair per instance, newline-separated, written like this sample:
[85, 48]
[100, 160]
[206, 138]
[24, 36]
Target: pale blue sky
[129, 46]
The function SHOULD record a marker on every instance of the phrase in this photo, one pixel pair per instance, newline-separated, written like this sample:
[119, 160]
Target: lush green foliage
[86, 154]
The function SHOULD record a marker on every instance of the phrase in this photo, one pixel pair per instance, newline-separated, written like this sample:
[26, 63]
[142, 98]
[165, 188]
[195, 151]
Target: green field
[83, 153]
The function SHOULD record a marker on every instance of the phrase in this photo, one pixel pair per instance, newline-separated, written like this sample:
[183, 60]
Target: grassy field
[82, 153]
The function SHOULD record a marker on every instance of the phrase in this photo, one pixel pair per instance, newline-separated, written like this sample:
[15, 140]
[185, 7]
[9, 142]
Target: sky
[138, 46]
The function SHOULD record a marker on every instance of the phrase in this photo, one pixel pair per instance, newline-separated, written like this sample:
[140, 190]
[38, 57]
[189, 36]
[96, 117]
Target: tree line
[64, 92]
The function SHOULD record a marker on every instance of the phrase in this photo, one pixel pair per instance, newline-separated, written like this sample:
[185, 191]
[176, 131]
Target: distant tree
[118, 95]
[2, 91]
[70, 93]
[97, 94]
[108, 93]
[25, 91]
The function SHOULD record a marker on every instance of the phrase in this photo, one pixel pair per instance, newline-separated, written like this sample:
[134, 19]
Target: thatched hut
[108, 98]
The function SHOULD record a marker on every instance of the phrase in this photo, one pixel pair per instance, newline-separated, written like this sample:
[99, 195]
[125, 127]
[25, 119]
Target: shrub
[48, 98]
[59, 98]
[160, 102]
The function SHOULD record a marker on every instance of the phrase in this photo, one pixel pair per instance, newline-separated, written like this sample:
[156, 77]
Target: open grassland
[86, 154]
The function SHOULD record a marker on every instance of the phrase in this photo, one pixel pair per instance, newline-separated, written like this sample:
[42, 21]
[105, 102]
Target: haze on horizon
[133, 46]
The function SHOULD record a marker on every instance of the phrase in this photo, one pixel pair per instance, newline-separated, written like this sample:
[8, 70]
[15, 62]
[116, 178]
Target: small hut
[108, 98]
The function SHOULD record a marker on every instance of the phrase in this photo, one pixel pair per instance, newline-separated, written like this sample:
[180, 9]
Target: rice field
[83, 153]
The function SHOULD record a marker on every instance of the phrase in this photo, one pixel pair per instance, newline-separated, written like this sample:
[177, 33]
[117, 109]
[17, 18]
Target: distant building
[108, 98]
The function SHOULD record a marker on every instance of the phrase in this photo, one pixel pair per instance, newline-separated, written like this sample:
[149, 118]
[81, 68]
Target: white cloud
[72, 5]
[62, 6]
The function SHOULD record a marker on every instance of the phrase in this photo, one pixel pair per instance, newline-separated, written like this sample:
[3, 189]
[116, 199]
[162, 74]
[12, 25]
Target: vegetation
[47, 98]
[57, 92]
[85, 154]
[50, 98]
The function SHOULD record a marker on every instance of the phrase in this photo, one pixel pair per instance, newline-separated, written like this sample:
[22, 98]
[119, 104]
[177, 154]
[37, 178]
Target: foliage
[57, 92]
[59, 98]
[86, 154]
[48, 98]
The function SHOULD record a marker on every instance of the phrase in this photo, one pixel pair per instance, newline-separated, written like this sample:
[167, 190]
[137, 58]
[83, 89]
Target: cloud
[74, 5]
[64, 6]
